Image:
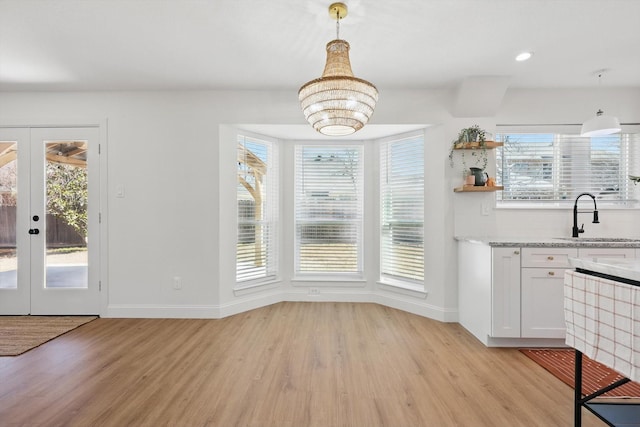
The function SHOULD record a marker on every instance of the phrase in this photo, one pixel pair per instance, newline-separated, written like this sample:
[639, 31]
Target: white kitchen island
[602, 314]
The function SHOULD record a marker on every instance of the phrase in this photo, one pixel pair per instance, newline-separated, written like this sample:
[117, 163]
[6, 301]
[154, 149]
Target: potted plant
[475, 138]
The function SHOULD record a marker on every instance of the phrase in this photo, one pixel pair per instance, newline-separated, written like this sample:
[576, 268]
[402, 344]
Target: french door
[49, 221]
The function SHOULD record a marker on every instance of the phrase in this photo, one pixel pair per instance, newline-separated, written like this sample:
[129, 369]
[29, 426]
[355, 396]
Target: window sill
[602, 205]
[330, 280]
[405, 288]
[255, 287]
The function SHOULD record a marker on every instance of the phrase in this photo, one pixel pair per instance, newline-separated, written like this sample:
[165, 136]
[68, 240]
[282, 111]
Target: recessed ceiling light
[524, 56]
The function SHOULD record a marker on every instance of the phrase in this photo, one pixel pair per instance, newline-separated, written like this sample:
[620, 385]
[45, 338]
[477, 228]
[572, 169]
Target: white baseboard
[251, 303]
[163, 311]
[527, 342]
[257, 300]
[325, 295]
[419, 307]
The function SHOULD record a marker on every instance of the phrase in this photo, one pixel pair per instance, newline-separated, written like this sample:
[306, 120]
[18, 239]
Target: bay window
[328, 209]
[402, 209]
[257, 206]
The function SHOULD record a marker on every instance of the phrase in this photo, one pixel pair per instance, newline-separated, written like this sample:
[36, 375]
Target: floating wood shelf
[487, 145]
[477, 189]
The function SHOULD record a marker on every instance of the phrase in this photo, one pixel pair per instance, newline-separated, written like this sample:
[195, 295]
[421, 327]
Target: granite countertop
[618, 267]
[554, 242]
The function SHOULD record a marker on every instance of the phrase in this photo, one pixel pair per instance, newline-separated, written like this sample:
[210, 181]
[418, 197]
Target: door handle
[34, 231]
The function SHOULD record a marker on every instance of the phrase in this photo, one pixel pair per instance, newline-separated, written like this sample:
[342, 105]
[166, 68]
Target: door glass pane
[8, 204]
[66, 219]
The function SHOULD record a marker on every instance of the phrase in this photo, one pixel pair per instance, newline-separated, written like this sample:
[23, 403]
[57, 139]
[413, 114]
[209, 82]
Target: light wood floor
[290, 364]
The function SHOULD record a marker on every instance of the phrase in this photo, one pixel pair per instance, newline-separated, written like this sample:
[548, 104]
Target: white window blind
[552, 168]
[257, 198]
[402, 209]
[328, 209]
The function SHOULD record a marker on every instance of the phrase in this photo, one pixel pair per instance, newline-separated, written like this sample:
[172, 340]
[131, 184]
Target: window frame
[385, 191]
[560, 166]
[358, 220]
[270, 214]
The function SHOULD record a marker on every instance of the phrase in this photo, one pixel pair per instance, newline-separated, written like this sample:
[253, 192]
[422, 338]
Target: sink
[599, 239]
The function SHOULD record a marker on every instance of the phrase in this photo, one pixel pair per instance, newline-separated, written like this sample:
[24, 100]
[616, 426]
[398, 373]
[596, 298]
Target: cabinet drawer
[548, 257]
[607, 253]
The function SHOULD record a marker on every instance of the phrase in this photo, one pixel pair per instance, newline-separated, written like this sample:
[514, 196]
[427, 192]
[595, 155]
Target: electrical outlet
[177, 283]
[314, 291]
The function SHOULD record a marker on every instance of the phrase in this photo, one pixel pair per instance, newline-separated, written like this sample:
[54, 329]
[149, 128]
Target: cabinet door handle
[551, 273]
[516, 252]
[550, 258]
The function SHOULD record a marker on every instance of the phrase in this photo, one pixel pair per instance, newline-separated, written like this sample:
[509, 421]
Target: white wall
[168, 150]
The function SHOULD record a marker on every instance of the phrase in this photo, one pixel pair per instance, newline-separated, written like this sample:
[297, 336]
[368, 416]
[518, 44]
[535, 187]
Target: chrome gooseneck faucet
[576, 231]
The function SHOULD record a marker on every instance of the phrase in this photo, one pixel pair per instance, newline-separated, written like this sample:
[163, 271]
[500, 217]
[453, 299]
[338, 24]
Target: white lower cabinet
[505, 292]
[542, 303]
[542, 291]
[528, 288]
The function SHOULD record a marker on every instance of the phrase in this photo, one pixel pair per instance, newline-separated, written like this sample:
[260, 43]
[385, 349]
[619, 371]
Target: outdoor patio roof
[65, 152]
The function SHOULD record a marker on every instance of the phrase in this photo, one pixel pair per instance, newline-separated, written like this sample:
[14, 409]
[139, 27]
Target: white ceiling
[254, 44]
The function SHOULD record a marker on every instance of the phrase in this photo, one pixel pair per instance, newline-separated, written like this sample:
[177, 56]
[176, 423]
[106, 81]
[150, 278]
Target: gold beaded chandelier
[338, 103]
